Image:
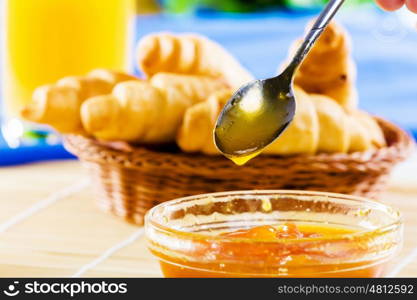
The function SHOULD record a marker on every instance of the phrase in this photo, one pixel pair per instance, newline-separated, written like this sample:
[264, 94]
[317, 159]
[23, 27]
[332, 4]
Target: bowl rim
[397, 223]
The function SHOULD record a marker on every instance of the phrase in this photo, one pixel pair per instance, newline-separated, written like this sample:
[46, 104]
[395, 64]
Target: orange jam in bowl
[273, 234]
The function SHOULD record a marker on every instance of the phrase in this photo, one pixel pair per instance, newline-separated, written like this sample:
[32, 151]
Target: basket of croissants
[148, 140]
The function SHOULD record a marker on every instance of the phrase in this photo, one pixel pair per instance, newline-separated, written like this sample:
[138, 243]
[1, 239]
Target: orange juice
[44, 40]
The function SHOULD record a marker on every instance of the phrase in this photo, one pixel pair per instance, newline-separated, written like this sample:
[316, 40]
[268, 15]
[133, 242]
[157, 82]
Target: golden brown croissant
[145, 111]
[329, 69]
[194, 87]
[58, 105]
[319, 125]
[302, 135]
[372, 131]
[189, 54]
[333, 127]
[196, 131]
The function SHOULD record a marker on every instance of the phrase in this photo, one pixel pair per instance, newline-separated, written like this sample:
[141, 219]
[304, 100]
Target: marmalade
[299, 260]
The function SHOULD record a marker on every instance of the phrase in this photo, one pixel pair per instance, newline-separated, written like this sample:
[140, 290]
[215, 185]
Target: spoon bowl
[254, 117]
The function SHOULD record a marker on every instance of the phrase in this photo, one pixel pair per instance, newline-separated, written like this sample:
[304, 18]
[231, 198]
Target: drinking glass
[45, 40]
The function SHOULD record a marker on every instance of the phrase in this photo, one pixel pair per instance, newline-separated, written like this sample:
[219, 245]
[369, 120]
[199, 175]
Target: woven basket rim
[399, 146]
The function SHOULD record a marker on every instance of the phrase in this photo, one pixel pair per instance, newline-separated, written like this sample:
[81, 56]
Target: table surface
[50, 226]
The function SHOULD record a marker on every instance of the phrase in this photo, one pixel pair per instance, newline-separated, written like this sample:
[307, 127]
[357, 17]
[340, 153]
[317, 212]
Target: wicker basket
[129, 182]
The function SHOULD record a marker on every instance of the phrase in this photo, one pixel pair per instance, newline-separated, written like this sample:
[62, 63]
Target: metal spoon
[260, 111]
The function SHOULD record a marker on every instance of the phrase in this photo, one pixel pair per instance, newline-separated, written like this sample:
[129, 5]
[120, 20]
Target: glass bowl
[187, 235]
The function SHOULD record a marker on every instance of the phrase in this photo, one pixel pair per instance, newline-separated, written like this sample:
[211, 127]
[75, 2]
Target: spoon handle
[321, 23]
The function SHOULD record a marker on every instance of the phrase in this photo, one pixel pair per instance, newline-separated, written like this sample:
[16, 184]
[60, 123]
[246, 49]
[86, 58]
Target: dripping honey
[249, 126]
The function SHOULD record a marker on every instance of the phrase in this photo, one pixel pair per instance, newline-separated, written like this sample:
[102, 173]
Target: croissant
[195, 88]
[58, 105]
[319, 125]
[303, 133]
[189, 54]
[371, 133]
[329, 69]
[196, 131]
[148, 112]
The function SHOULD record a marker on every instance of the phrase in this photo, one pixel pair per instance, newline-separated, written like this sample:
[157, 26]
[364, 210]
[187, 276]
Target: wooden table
[50, 226]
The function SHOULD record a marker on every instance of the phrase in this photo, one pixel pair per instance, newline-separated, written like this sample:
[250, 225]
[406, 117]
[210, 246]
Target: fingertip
[412, 5]
[391, 5]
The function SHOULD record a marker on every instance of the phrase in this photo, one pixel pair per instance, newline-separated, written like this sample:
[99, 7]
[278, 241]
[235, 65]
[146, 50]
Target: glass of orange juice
[44, 40]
